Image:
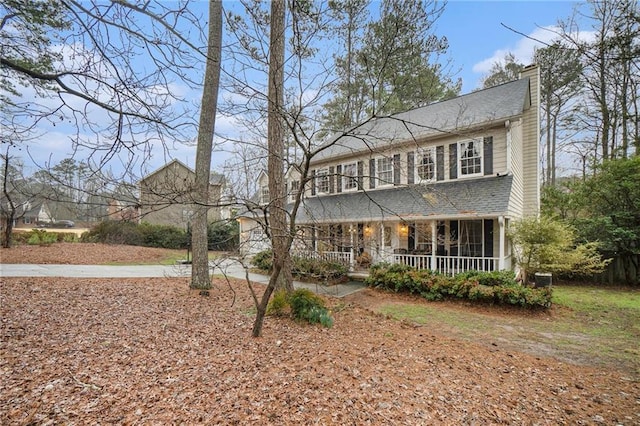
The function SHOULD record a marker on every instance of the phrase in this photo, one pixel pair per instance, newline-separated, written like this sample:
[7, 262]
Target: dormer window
[426, 164]
[470, 158]
[322, 181]
[350, 176]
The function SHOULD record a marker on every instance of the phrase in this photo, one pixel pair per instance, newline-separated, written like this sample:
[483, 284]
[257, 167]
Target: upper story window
[426, 164]
[264, 194]
[322, 181]
[350, 176]
[295, 187]
[470, 157]
[384, 170]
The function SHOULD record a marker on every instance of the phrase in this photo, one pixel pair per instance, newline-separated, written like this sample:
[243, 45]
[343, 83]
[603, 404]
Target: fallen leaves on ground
[151, 351]
[81, 254]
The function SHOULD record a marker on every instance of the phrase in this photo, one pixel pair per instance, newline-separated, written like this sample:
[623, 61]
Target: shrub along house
[434, 187]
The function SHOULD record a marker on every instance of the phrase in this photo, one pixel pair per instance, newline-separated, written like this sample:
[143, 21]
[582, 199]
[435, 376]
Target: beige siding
[499, 155]
[530, 145]
[166, 197]
[517, 192]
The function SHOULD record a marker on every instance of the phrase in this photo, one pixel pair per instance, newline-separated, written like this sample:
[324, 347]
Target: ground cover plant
[481, 287]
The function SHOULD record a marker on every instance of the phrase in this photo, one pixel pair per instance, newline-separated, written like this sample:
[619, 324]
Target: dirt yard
[78, 351]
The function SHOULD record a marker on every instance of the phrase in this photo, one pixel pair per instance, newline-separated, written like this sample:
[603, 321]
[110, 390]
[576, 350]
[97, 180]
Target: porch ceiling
[476, 197]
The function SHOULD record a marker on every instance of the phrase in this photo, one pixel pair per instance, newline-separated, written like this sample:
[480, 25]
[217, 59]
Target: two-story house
[434, 187]
[166, 195]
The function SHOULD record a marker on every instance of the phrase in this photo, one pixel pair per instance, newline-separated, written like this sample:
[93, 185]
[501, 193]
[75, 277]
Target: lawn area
[586, 325]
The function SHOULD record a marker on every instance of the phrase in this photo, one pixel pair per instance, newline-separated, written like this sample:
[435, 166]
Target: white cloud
[524, 48]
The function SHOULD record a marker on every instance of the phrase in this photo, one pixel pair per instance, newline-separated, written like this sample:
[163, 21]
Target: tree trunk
[275, 164]
[10, 214]
[200, 265]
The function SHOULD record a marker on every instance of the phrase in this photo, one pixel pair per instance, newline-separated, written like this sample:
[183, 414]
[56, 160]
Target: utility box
[543, 279]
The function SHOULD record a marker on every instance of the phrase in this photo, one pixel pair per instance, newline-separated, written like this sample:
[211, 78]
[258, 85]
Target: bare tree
[610, 69]
[199, 244]
[559, 87]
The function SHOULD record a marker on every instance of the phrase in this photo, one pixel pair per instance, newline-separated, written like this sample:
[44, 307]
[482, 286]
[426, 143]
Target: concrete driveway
[229, 267]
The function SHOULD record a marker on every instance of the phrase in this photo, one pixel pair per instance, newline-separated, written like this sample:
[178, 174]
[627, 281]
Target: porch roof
[480, 197]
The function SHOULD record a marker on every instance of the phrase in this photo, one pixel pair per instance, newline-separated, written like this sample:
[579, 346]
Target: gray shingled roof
[453, 115]
[474, 197]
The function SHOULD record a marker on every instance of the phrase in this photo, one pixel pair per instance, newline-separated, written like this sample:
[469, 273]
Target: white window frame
[431, 151]
[477, 147]
[295, 188]
[264, 194]
[322, 180]
[350, 181]
[384, 181]
[26, 220]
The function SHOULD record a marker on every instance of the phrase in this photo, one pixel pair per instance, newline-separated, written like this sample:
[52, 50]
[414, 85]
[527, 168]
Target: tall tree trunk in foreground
[200, 267]
[280, 277]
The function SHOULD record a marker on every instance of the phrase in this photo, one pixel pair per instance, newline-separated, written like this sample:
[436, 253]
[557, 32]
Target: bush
[163, 236]
[318, 270]
[305, 305]
[495, 278]
[488, 287]
[41, 238]
[263, 260]
[279, 304]
[114, 232]
[223, 236]
[321, 270]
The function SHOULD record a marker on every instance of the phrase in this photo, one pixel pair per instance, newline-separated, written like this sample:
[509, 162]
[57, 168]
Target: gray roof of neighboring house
[463, 198]
[441, 118]
[214, 178]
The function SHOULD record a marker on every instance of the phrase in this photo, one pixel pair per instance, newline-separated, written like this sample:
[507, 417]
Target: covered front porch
[447, 246]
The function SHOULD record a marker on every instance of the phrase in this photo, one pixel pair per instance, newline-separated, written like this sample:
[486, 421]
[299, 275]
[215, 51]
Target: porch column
[434, 244]
[352, 259]
[502, 243]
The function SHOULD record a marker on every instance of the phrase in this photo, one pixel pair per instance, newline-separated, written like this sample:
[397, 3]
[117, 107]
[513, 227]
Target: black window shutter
[332, 179]
[453, 161]
[454, 235]
[410, 168]
[338, 178]
[372, 173]
[488, 238]
[313, 182]
[488, 155]
[360, 175]
[440, 162]
[396, 169]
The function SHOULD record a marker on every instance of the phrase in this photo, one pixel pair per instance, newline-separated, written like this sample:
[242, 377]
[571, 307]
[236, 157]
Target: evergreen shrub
[486, 287]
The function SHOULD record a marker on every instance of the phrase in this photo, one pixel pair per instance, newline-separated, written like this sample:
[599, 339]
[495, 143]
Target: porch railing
[449, 265]
[344, 258]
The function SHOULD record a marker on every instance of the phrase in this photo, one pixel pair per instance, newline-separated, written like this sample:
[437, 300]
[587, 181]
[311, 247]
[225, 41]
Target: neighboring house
[166, 195]
[435, 187]
[32, 213]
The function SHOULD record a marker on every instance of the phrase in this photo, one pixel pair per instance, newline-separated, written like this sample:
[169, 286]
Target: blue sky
[477, 38]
